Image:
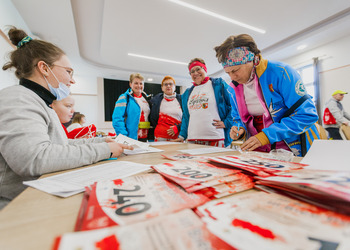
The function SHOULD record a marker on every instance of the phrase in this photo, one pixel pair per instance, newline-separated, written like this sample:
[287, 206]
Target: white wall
[85, 89]
[334, 68]
[84, 92]
[8, 16]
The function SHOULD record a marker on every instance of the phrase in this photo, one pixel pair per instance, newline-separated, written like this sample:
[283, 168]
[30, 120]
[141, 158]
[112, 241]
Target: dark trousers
[334, 133]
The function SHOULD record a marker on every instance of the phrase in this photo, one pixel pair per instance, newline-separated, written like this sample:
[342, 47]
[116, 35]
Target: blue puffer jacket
[281, 88]
[126, 115]
[224, 99]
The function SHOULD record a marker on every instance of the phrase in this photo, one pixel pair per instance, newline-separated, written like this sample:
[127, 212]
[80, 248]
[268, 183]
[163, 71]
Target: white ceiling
[97, 35]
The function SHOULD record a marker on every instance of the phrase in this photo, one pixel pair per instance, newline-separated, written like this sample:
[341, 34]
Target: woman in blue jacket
[206, 108]
[130, 115]
[272, 108]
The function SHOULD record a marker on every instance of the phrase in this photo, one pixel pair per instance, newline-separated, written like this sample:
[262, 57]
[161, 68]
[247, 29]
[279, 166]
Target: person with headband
[166, 112]
[32, 140]
[132, 109]
[334, 115]
[206, 108]
[272, 108]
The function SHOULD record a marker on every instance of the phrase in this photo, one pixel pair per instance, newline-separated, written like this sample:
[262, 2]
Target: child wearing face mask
[32, 140]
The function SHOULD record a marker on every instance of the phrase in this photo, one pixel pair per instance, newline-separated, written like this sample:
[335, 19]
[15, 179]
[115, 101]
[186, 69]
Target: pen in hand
[237, 130]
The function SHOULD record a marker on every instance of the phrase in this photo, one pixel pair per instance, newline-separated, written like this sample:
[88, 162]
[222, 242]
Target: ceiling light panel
[156, 59]
[210, 13]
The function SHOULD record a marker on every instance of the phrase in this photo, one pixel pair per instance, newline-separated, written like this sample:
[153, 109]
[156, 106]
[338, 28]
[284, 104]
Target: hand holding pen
[236, 132]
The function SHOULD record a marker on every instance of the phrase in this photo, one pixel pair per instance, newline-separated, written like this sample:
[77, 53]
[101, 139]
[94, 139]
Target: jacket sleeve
[228, 97]
[236, 119]
[31, 144]
[346, 115]
[154, 115]
[185, 115]
[86, 141]
[118, 117]
[179, 99]
[290, 86]
[336, 112]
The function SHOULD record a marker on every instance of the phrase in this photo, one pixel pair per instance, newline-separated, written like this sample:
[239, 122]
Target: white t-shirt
[203, 110]
[171, 108]
[144, 106]
[73, 126]
[251, 99]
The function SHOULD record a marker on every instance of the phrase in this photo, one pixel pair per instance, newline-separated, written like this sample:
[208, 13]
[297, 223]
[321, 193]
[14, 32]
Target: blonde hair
[136, 75]
[77, 118]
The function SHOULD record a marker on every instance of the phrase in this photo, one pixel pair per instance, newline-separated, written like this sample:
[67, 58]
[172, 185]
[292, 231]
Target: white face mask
[61, 92]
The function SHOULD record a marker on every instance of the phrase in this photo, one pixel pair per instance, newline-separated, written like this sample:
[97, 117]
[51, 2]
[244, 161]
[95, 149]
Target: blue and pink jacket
[279, 88]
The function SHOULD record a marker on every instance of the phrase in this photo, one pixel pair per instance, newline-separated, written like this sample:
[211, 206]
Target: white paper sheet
[328, 155]
[137, 151]
[139, 147]
[208, 150]
[159, 143]
[73, 182]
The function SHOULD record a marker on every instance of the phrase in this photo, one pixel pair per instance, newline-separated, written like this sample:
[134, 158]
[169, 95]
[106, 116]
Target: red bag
[328, 118]
[84, 132]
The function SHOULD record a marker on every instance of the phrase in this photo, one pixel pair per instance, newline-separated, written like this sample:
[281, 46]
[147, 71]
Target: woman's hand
[251, 144]
[218, 124]
[118, 148]
[235, 134]
[170, 132]
[109, 139]
[178, 140]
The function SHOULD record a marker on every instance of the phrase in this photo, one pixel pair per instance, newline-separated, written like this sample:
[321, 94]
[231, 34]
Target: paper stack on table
[177, 231]
[181, 157]
[328, 189]
[205, 178]
[270, 221]
[257, 165]
[132, 199]
[205, 150]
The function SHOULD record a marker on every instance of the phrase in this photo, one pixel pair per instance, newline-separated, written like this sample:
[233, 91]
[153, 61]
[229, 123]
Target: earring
[256, 60]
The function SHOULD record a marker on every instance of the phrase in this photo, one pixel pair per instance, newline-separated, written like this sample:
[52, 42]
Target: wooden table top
[34, 218]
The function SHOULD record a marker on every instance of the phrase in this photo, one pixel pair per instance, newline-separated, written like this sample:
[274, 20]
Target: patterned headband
[25, 40]
[238, 56]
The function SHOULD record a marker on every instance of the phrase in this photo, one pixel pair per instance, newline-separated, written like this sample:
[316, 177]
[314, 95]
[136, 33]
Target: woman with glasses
[166, 111]
[32, 140]
[272, 108]
[206, 107]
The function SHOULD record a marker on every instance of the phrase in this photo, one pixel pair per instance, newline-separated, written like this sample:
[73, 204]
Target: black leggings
[334, 133]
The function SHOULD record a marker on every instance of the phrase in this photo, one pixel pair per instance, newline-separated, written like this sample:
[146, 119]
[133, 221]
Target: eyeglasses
[70, 71]
[170, 84]
[195, 70]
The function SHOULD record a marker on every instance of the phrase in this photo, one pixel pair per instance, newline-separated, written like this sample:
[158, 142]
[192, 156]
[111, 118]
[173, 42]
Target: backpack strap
[296, 105]
[288, 113]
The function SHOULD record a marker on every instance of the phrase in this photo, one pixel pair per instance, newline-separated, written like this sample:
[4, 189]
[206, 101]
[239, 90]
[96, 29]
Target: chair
[321, 131]
[346, 131]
